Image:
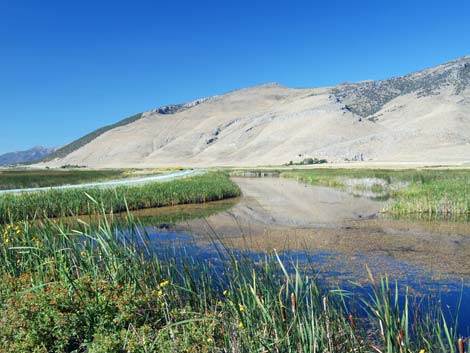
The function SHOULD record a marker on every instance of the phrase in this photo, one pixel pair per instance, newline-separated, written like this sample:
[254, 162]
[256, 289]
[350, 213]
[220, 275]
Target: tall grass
[20, 179]
[446, 195]
[432, 192]
[108, 289]
[67, 202]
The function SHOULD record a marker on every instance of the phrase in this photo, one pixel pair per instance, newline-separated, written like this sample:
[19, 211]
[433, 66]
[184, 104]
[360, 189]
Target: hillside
[419, 117]
[32, 155]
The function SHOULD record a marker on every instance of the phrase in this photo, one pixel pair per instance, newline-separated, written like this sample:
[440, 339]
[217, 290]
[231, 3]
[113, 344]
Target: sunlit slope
[422, 117]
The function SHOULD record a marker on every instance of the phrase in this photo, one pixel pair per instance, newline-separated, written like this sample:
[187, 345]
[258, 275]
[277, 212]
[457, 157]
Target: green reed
[423, 191]
[103, 288]
[68, 202]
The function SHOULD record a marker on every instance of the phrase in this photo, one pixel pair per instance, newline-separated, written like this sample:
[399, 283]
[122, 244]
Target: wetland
[286, 259]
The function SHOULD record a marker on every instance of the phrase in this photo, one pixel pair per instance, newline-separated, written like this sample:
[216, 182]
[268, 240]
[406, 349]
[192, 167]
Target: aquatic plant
[108, 289]
[425, 191]
[69, 202]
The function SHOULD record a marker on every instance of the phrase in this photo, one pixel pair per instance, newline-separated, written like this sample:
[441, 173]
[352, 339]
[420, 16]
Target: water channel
[339, 234]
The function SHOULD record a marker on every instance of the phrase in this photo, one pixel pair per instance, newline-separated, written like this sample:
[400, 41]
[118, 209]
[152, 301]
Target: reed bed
[420, 192]
[105, 288]
[447, 195]
[68, 202]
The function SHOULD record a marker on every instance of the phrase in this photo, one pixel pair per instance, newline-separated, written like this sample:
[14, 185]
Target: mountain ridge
[31, 155]
[375, 120]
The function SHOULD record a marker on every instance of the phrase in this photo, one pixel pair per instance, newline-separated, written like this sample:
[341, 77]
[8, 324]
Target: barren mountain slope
[424, 116]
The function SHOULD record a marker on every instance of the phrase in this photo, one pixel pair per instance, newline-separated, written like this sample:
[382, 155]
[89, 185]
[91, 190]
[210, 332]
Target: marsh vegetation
[425, 191]
[33, 178]
[102, 289]
[104, 284]
[82, 201]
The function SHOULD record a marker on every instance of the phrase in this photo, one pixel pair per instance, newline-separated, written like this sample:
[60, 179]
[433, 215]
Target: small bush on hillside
[309, 161]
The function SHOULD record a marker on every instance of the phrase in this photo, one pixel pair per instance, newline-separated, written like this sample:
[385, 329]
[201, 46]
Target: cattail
[352, 321]
[401, 338]
[283, 314]
[293, 302]
[461, 345]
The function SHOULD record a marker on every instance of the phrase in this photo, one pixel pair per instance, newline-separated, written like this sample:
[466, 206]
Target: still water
[337, 233]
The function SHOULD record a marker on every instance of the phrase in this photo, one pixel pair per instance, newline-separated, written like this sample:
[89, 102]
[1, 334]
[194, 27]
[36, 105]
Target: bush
[309, 161]
[54, 318]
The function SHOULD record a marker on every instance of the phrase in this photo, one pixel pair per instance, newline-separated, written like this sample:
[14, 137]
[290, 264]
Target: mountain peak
[27, 156]
[421, 116]
[368, 97]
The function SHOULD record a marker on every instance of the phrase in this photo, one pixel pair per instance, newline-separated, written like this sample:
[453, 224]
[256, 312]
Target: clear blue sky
[69, 67]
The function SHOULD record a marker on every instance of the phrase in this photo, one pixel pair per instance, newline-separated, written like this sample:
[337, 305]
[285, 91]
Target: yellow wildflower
[422, 351]
[160, 293]
[164, 283]
[225, 292]
[242, 308]
[209, 340]
[240, 325]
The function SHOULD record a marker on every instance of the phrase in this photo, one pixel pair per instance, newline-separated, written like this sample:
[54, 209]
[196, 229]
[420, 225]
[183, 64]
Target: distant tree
[308, 161]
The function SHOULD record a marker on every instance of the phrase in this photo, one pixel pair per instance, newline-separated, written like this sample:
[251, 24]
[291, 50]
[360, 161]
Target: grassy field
[21, 179]
[89, 289]
[425, 191]
[69, 202]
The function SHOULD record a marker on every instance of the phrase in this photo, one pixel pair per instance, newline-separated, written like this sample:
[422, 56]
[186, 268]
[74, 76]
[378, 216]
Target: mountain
[34, 154]
[420, 117]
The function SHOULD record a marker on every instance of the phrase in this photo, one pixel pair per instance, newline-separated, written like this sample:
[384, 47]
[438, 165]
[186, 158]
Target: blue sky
[69, 67]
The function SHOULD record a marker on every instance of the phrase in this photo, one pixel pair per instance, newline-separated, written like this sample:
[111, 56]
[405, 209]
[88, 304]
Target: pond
[337, 233]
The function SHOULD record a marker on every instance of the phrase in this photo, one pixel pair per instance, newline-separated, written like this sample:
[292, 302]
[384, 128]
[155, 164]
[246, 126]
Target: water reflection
[335, 233]
[333, 270]
[276, 213]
